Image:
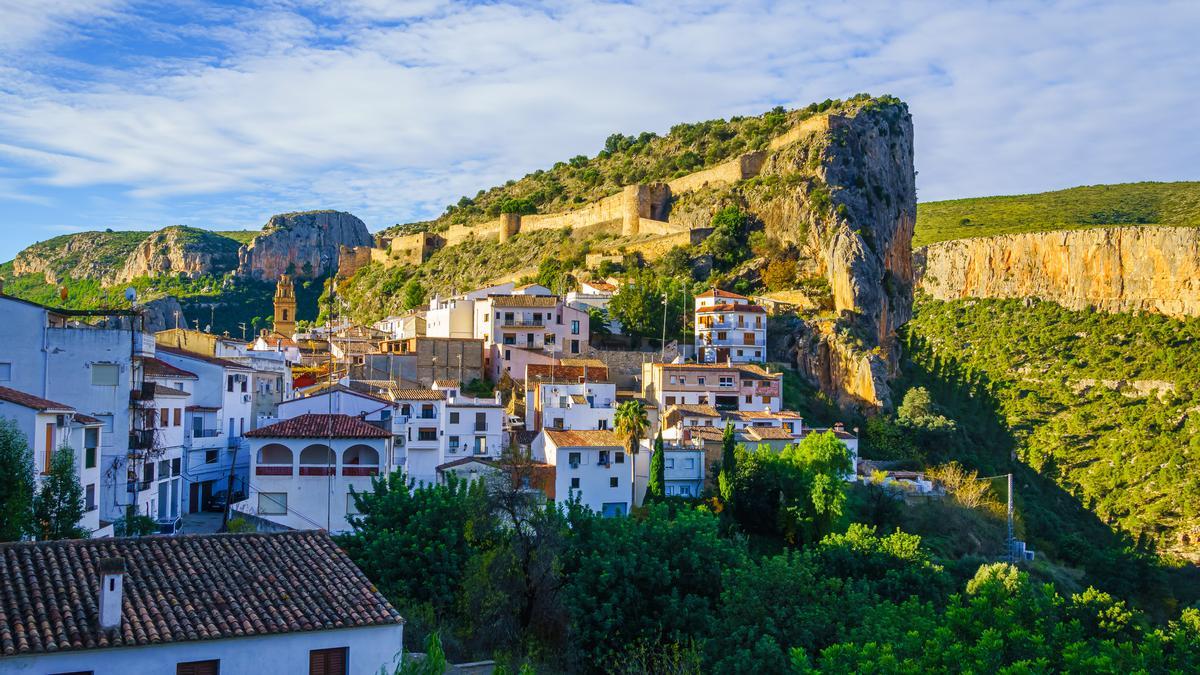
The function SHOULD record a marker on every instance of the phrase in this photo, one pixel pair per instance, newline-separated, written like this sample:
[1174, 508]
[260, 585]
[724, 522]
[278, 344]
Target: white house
[569, 405]
[304, 469]
[48, 426]
[730, 328]
[595, 295]
[590, 466]
[725, 386]
[522, 329]
[51, 354]
[683, 470]
[474, 425]
[220, 414]
[155, 465]
[264, 603]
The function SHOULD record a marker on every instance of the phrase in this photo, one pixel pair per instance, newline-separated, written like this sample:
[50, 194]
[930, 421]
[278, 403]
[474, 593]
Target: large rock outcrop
[845, 192]
[180, 250]
[1111, 269]
[303, 244]
[86, 255]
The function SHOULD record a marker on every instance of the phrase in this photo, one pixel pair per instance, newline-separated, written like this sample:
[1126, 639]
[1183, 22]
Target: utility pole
[663, 355]
[242, 325]
[1012, 549]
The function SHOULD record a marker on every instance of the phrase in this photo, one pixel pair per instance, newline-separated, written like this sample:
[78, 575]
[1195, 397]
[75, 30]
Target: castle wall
[352, 258]
[739, 168]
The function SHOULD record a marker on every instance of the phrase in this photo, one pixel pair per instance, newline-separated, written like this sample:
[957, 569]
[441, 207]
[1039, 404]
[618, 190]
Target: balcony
[141, 439]
[205, 433]
[521, 324]
[273, 470]
[360, 471]
[316, 470]
[138, 486]
[481, 427]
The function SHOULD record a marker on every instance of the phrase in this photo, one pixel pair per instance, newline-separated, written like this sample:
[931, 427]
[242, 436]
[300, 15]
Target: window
[210, 456]
[427, 412]
[683, 379]
[575, 483]
[685, 490]
[91, 441]
[178, 417]
[89, 497]
[573, 458]
[574, 327]
[722, 335]
[749, 398]
[164, 468]
[674, 380]
[603, 457]
[272, 503]
[620, 457]
[229, 383]
[164, 418]
[105, 374]
[212, 667]
[574, 346]
[175, 467]
[427, 434]
[453, 418]
[480, 421]
[454, 444]
[726, 381]
[5, 371]
[327, 661]
[700, 380]
[670, 400]
[602, 425]
[739, 352]
[558, 423]
[613, 482]
[689, 463]
[148, 472]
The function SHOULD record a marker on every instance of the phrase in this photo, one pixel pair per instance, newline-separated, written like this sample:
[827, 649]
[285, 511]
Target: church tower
[285, 306]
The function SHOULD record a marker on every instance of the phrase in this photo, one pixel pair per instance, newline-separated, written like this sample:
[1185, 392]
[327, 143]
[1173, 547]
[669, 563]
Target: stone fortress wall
[641, 209]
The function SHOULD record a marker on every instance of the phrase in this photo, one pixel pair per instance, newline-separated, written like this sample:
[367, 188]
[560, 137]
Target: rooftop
[729, 307]
[593, 439]
[224, 363]
[153, 367]
[768, 433]
[313, 425]
[182, 589]
[718, 293]
[694, 410]
[33, 402]
[524, 300]
[592, 372]
[418, 395]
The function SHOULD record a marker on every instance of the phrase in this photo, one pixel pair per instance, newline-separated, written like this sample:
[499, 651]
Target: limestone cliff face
[1113, 269]
[304, 244]
[846, 194]
[86, 255]
[179, 249]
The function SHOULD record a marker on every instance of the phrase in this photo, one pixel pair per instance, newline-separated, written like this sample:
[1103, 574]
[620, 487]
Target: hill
[1080, 207]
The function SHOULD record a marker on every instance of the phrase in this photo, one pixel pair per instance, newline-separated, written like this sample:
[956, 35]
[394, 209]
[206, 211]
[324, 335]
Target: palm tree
[632, 423]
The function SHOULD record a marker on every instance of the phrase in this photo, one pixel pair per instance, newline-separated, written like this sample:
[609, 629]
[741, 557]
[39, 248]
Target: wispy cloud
[391, 110]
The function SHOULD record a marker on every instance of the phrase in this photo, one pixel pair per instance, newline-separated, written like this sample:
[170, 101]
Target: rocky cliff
[1117, 269]
[304, 244]
[845, 193]
[180, 250]
[86, 255]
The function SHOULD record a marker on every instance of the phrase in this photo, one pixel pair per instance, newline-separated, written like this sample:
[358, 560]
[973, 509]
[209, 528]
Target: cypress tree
[16, 483]
[728, 464]
[657, 486]
[58, 506]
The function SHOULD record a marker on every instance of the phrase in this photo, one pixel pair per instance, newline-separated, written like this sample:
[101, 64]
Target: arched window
[274, 460]
[360, 460]
[317, 460]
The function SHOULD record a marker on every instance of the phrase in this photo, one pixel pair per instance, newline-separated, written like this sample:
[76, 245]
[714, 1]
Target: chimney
[112, 580]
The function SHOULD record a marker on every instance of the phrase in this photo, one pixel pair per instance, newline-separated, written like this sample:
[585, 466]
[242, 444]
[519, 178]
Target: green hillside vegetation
[1089, 206]
[1104, 468]
[626, 160]
[110, 249]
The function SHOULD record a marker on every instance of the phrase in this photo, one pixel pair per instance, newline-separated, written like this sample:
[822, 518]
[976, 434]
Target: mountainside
[180, 250]
[304, 243]
[86, 255]
[1176, 204]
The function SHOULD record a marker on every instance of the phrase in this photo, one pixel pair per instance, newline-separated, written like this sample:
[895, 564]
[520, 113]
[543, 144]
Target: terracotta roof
[203, 408]
[32, 402]
[593, 439]
[313, 425]
[185, 588]
[447, 384]
[418, 395]
[729, 307]
[759, 414]
[224, 363]
[602, 286]
[769, 433]
[524, 300]
[750, 369]
[718, 293]
[153, 367]
[578, 398]
[694, 409]
[339, 388]
[159, 389]
[543, 371]
[277, 340]
[87, 420]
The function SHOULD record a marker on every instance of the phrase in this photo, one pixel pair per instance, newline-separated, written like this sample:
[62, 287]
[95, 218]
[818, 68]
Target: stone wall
[726, 173]
[353, 258]
[412, 249]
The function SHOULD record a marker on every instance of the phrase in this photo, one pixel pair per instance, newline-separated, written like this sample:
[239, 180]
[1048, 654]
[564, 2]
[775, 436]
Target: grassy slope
[1089, 206]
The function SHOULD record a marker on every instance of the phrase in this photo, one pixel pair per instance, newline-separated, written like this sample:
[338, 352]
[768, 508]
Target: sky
[138, 115]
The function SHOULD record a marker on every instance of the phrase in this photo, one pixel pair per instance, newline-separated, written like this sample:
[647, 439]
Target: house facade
[730, 328]
[590, 466]
[724, 386]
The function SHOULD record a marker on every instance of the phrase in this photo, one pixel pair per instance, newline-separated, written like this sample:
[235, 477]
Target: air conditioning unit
[246, 398]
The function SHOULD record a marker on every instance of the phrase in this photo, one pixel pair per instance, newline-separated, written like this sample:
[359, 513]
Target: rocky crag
[305, 244]
[1111, 269]
[180, 250]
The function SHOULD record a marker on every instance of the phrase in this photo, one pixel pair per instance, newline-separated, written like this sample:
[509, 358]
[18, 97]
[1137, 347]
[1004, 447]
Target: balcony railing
[273, 470]
[519, 324]
[138, 485]
[141, 439]
[205, 433]
[360, 471]
[481, 426]
[316, 470]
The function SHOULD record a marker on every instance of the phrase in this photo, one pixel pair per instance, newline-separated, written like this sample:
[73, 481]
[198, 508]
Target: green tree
[16, 483]
[728, 464]
[657, 485]
[58, 505]
[728, 241]
[631, 423]
[413, 295]
[638, 306]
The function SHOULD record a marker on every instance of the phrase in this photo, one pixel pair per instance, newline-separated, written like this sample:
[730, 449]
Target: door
[193, 498]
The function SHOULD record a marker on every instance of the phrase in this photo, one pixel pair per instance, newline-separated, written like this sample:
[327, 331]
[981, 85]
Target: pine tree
[16, 483]
[656, 487]
[58, 506]
[728, 464]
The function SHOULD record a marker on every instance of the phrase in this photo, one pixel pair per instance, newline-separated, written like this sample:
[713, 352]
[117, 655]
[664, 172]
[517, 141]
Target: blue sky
[125, 115]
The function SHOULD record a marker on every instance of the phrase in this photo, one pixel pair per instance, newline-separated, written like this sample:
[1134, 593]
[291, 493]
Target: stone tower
[285, 306]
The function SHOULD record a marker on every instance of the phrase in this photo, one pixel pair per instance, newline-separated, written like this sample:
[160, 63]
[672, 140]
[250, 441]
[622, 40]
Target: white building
[49, 353]
[724, 386]
[595, 295]
[730, 328]
[590, 466]
[220, 414]
[48, 426]
[569, 405]
[270, 604]
[155, 466]
[303, 469]
[683, 470]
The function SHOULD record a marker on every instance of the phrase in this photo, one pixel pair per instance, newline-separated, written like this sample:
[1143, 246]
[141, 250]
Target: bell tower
[285, 306]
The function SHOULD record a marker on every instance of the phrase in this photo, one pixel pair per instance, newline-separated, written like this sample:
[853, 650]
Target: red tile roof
[524, 300]
[418, 395]
[185, 588]
[589, 439]
[544, 371]
[729, 307]
[153, 367]
[769, 433]
[718, 293]
[224, 363]
[320, 426]
[32, 402]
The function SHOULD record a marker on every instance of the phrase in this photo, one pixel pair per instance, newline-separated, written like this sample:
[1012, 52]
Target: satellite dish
[131, 294]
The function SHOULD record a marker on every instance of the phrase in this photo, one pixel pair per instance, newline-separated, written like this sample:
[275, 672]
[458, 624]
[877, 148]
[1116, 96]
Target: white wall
[370, 648]
[594, 489]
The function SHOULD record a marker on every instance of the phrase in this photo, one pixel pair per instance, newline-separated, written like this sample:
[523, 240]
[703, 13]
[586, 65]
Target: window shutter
[327, 661]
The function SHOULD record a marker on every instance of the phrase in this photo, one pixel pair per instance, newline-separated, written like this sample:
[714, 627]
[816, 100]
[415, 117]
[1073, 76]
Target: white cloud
[392, 110]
